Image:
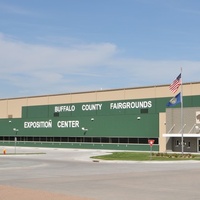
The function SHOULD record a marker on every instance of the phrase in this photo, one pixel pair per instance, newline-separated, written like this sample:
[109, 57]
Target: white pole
[182, 128]
[15, 143]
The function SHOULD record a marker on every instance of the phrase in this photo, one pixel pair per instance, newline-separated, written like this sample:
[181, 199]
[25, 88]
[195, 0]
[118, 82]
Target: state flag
[175, 100]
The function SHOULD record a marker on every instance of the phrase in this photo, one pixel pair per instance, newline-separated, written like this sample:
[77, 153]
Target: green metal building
[121, 119]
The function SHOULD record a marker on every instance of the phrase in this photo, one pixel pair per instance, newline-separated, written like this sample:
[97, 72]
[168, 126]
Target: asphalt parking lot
[73, 172]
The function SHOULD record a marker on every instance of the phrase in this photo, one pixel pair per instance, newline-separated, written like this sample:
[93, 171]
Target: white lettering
[68, 124]
[38, 124]
[65, 108]
[89, 107]
[128, 105]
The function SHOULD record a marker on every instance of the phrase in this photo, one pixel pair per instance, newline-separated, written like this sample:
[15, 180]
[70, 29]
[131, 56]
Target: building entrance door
[198, 144]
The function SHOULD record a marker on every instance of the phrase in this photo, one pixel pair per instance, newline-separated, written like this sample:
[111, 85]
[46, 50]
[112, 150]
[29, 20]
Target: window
[143, 140]
[108, 140]
[71, 139]
[30, 139]
[114, 140]
[188, 145]
[104, 140]
[79, 139]
[56, 139]
[144, 110]
[88, 139]
[97, 140]
[56, 114]
[123, 140]
[64, 139]
[133, 140]
[49, 139]
[177, 143]
[43, 139]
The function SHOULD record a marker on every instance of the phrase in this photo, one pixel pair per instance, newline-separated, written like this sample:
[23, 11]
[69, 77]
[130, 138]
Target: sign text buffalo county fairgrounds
[98, 106]
[84, 108]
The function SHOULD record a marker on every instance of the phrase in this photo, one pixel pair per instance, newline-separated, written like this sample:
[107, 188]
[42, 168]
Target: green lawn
[144, 156]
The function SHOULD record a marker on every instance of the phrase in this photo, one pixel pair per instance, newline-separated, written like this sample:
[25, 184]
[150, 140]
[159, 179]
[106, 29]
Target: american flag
[175, 84]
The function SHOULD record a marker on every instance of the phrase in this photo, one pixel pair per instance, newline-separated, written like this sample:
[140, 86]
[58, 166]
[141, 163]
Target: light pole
[15, 130]
[85, 130]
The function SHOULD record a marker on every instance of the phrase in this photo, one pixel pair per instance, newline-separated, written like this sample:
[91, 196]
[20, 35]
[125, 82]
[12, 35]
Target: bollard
[4, 151]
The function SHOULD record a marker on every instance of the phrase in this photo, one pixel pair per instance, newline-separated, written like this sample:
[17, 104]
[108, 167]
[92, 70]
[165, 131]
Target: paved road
[71, 171]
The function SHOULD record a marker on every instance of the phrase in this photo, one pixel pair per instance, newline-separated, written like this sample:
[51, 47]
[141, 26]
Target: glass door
[198, 144]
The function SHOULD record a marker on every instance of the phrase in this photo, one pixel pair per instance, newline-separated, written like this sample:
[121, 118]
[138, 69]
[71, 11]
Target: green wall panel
[24, 112]
[35, 111]
[101, 119]
[7, 126]
[196, 101]
[115, 125]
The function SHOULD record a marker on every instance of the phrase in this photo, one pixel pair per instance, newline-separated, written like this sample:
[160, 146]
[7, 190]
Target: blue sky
[64, 46]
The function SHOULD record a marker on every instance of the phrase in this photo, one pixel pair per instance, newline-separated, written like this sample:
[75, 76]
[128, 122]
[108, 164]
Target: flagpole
[182, 145]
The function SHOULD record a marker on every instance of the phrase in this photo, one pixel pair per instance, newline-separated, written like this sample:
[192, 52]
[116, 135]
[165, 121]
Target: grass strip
[145, 156]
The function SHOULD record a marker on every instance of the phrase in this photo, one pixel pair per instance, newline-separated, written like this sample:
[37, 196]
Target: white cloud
[22, 57]
[158, 71]
[38, 66]
[28, 69]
